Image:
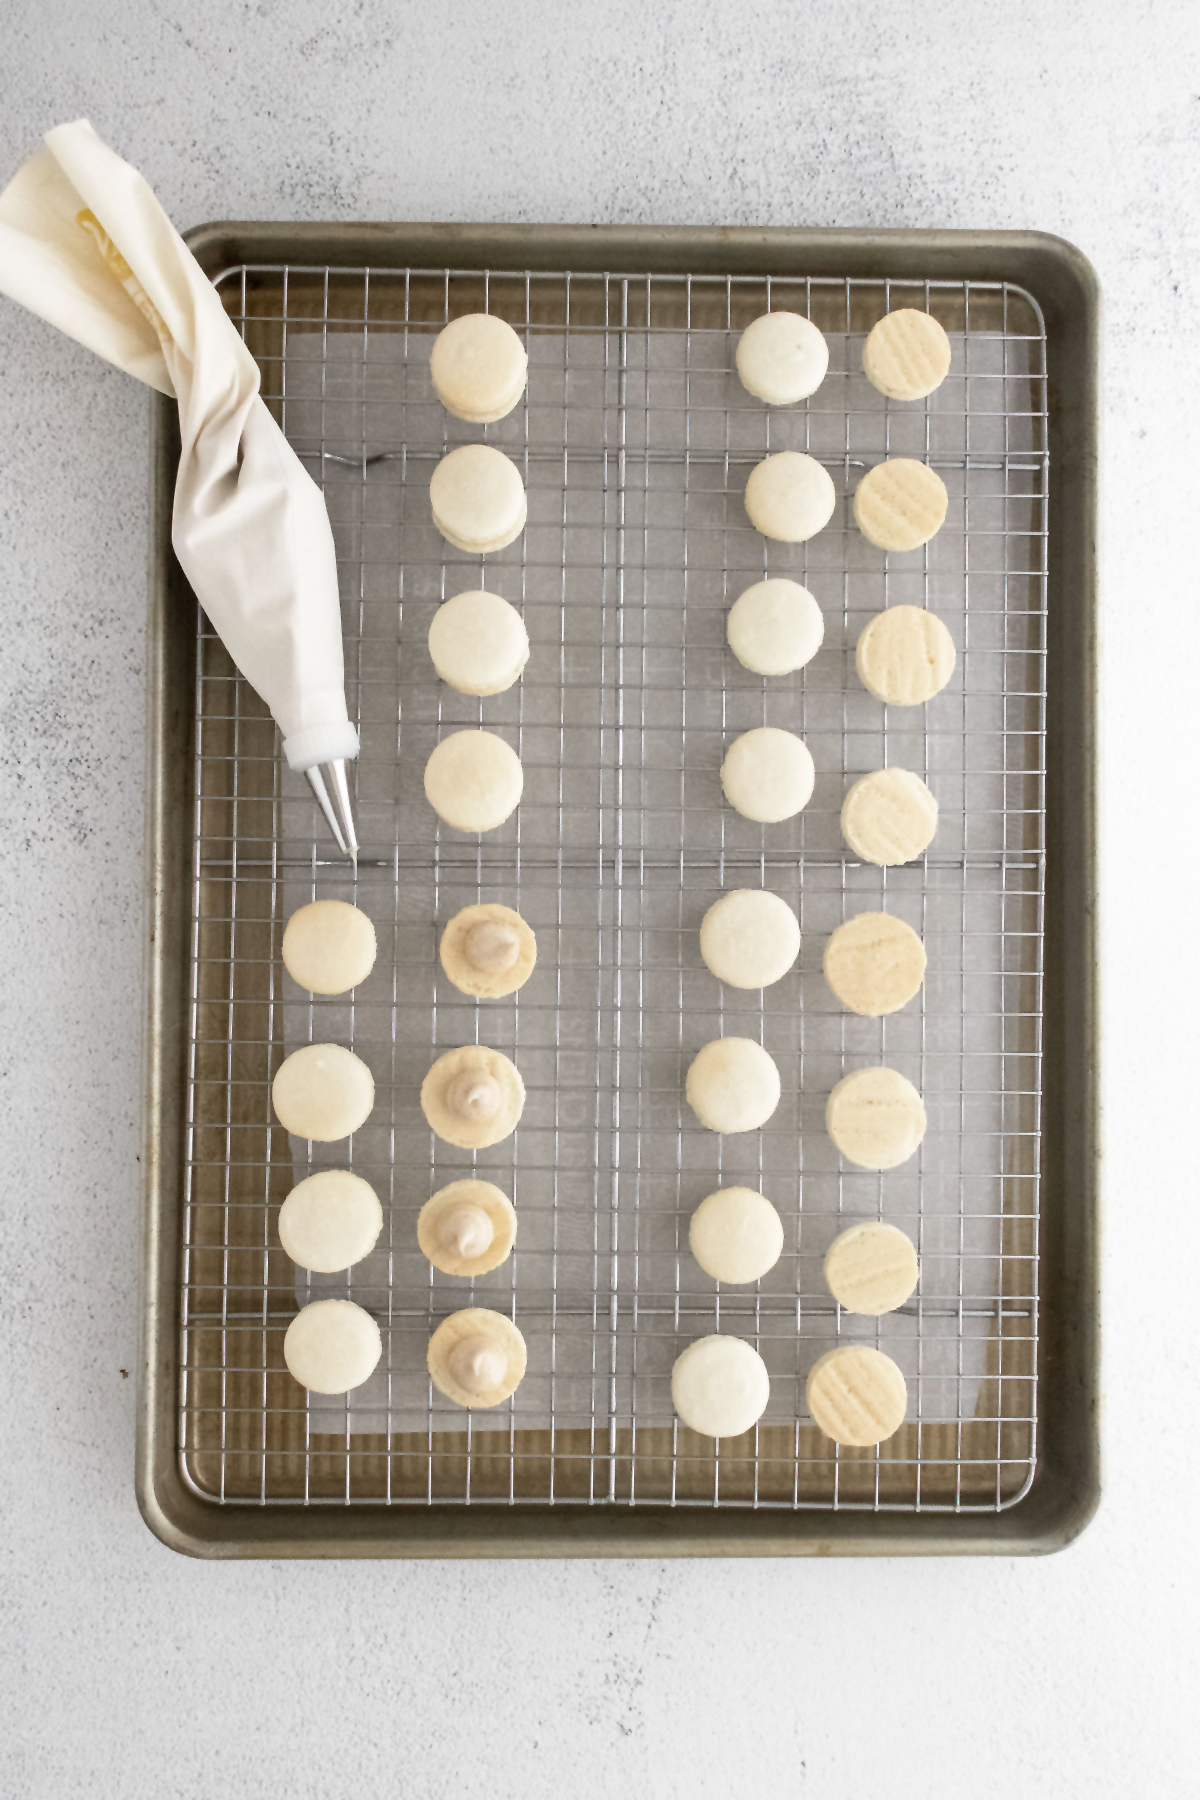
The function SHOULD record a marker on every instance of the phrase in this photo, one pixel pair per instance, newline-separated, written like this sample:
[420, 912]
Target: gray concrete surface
[127, 1671]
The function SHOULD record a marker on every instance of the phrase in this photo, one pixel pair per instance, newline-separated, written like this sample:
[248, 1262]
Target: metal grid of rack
[635, 440]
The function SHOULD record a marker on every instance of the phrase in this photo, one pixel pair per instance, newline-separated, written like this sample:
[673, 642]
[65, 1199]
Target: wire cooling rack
[635, 440]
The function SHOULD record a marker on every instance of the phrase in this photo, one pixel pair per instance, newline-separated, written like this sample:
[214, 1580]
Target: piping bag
[84, 243]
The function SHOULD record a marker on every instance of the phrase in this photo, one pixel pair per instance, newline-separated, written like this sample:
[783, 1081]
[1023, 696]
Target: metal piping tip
[336, 805]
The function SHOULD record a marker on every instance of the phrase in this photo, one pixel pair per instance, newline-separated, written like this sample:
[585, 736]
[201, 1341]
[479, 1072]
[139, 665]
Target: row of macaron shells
[478, 644]
[874, 963]
[472, 1096]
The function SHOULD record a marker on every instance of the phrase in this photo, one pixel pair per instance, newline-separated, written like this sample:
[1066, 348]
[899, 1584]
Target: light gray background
[125, 1670]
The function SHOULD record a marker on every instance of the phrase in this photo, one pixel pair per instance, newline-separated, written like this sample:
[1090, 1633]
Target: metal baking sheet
[635, 441]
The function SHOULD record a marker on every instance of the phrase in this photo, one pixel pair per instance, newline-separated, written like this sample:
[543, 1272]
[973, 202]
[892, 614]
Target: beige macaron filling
[492, 947]
[477, 1366]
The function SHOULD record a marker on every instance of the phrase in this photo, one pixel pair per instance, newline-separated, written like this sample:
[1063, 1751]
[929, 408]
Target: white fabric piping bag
[85, 244]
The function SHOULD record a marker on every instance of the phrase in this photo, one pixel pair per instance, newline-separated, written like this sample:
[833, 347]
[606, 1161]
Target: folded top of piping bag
[84, 243]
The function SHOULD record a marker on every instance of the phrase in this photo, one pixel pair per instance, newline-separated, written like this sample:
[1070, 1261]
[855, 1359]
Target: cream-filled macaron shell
[478, 643]
[473, 780]
[876, 1118]
[476, 1357]
[906, 355]
[478, 499]
[488, 950]
[720, 1387]
[332, 1346]
[871, 1268]
[874, 964]
[856, 1395]
[749, 938]
[904, 656]
[790, 497]
[900, 504]
[736, 1235]
[775, 627]
[473, 1097]
[330, 1221]
[467, 1228]
[733, 1085]
[329, 946]
[889, 817]
[323, 1092]
[782, 358]
[768, 774]
[478, 365]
